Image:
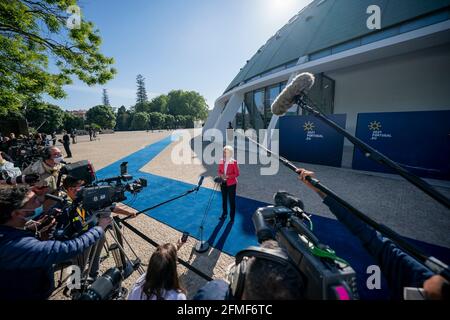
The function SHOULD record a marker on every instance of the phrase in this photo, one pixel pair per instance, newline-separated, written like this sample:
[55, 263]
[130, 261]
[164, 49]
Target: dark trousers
[228, 193]
[67, 148]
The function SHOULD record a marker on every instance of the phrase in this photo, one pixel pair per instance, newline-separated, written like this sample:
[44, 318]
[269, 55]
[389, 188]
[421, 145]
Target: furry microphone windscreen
[302, 82]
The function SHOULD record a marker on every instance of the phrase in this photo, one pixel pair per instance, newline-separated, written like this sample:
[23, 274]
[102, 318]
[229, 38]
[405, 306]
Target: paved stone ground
[385, 198]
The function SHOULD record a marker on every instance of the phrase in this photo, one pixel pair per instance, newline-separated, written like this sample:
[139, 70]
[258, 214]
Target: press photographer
[400, 269]
[47, 168]
[26, 263]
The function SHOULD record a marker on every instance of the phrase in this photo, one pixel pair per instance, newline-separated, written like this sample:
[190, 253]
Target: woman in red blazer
[228, 171]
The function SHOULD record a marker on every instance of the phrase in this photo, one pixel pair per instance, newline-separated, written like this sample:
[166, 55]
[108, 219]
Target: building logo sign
[377, 133]
[309, 127]
[373, 22]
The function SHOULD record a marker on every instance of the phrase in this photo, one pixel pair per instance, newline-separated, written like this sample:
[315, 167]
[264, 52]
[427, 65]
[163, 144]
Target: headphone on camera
[238, 272]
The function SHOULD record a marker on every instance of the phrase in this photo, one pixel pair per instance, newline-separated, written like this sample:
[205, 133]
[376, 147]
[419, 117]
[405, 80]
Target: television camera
[326, 276]
[94, 196]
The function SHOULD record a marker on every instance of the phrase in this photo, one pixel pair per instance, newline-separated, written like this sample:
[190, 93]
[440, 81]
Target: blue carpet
[186, 214]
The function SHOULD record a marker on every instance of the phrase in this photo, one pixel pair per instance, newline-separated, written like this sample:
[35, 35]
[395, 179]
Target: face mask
[58, 160]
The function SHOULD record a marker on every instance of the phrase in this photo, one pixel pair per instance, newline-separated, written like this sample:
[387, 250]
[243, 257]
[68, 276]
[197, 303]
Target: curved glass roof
[327, 23]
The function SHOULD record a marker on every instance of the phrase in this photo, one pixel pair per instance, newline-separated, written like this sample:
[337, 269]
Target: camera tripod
[115, 246]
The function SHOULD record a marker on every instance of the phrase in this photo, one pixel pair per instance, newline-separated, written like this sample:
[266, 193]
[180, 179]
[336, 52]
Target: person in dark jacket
[26, 263]
[54, 138]
[73, 135]
[66, 144]
[400, 269]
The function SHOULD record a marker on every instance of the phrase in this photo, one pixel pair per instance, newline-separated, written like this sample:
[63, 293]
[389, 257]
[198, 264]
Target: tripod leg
[123, 259]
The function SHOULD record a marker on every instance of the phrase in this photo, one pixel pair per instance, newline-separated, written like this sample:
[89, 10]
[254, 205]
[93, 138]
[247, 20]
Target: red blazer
[232, 171]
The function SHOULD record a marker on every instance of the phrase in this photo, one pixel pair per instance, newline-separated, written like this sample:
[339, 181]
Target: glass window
[242, 119]
[256, 112]
[258, 98]
[258, 109]
[272, 94]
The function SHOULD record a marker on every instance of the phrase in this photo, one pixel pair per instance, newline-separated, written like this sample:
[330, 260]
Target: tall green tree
[156, 120]
[141, 93]
[169, 121]
[45, 117]
[101, 115]
[141, 107]
[105, 98]
[189, 122]
[180, 121]
[33, 33]
[140, 121]
[188, 103]
[72, 122]
[123, 119]
[158, 104]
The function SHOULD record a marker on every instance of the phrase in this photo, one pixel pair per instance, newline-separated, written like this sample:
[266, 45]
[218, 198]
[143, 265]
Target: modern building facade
[403, 66]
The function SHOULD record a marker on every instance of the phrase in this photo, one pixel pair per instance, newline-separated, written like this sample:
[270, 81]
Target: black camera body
[106, 287]
[101, 194]
[98, 197]
[94, 196]
[81, 170]
[24, 154]
[326, 276]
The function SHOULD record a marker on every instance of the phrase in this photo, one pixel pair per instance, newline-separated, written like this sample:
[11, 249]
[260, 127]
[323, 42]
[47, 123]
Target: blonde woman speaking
[228, 171]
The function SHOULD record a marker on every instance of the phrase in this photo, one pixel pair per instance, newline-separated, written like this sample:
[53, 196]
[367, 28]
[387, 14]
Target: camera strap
[327, 254]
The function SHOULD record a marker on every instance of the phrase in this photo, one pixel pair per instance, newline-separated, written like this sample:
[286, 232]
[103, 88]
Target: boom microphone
[302, 82]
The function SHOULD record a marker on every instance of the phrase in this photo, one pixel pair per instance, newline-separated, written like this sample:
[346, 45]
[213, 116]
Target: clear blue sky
[177, 44]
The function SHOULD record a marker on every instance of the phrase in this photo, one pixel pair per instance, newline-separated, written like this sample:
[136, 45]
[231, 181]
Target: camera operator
[71, 188]
[400, 269]
[26, 263]
[280, 279]
[47, 168]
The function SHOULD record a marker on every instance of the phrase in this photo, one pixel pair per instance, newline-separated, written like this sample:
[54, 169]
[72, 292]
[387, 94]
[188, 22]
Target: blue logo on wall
[307, 139]
[418, 141]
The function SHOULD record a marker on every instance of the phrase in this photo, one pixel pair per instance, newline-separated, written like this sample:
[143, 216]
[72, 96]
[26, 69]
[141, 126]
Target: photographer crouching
[400, 269]
[26, 263]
